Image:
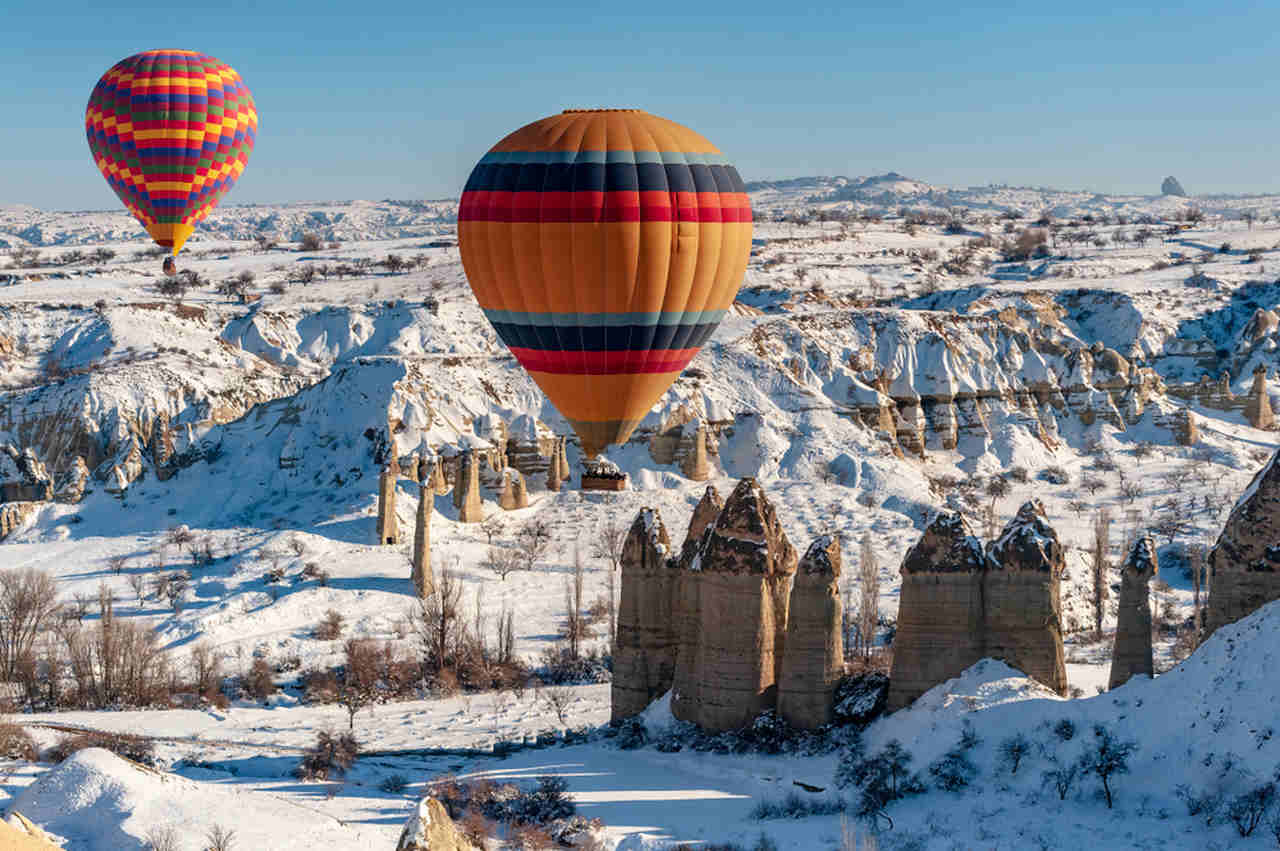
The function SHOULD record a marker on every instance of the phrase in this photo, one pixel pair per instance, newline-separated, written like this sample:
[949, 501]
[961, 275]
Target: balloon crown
[567, 111]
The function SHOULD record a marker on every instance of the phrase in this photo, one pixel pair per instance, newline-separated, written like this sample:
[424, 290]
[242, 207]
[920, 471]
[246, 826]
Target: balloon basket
[601, 483]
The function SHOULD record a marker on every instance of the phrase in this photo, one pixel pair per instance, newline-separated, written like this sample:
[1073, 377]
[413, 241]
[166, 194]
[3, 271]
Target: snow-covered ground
[272, 404]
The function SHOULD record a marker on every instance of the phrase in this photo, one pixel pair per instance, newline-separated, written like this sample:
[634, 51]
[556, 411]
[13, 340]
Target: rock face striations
[1022, 599]
[722, 625]
[1133, 625]
[813, 653]
[940, 609]
[960, 604]
[1244, 566]
[734, 621]
[644, 655]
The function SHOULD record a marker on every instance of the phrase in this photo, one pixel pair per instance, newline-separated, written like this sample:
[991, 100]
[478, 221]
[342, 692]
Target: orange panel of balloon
[171, 131]
[605, 247]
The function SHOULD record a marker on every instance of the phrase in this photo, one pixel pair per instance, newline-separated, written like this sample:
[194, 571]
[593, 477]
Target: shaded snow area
[887, 358]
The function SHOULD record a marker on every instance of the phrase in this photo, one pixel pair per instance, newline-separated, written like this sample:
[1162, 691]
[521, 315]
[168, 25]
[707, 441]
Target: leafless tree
[493, 527]
[28, 604]
[610, 538]
[220, 838]
[117, 564]
[557, 700]
[575, 622]
[503, 561]
[436, 621]
[359, 677]
[1130, 491]
[138, 582]
[310, 242]
[532, 541]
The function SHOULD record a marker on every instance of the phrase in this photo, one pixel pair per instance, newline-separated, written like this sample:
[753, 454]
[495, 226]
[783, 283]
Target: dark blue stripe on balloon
[603, 177]
[621, 338]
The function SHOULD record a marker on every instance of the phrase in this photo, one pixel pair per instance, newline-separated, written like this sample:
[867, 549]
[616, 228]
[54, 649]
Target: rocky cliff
[1244, 566]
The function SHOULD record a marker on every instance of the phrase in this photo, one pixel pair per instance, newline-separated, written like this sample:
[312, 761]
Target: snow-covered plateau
[212, 456]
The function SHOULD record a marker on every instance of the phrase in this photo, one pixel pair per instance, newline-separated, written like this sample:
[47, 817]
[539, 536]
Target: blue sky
[400, 101]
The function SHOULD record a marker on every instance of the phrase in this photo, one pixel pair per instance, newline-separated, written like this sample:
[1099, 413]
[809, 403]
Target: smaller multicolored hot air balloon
[171, 131]
[604, 246]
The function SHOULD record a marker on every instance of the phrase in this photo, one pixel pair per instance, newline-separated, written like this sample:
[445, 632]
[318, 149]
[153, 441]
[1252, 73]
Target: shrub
[953, 771]
[1247, 811]
[163, 838]
[332, 754]
[259, 683]
[330, 627]
[16, 742]
[310, 242]
[1062, 776]
[1013, 750]
[1055, 475]
[394, 784]
[136, 748]
[796, 806]
[1107, 757]
[632, 734]
[1065, 729]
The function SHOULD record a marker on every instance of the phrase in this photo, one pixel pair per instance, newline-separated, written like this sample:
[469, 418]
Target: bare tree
[220, 838]
[575, 622]
[609, 541]
[359, 677]
[503, 561]
[1098, 567]
[28, 603]
[310, 242]
[532, 541]
[138, 582]
[436, 621]
[558, 700]
[117, 564]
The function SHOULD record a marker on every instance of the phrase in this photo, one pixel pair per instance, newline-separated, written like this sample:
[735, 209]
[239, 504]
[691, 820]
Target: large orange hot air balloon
[604, 246]
[170, 130]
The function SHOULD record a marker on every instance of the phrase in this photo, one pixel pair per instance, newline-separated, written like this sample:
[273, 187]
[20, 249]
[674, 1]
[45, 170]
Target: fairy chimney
[644, 656]
[421, 576]
[940, 609]
[1022, 598]
[1244, 566]
[466, 490]
[695, 465]
[388, 533]
[734, 615]
[813, 653]
[1257, 409]
[1133, 624]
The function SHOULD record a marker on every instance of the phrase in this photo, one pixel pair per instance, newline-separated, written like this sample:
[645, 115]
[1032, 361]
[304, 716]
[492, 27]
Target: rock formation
[122, 470]
[1244, 566]
[1133, 625]
[813, 653]
[940, 609]
[695, 465]
[563, 460]
[437, 482]
[1021, 598]
[553, 474]
[1171, 186]
[530, 446]
[1257, 410]
[388, 531]
[421, 576]
[13, 515]
[704, 514]
[17, 833]
[466, 489]
[431, 829]
[733, 623]
[644, 655]
[514, 494]
[72, 484]
[161, 447]
[22, 477]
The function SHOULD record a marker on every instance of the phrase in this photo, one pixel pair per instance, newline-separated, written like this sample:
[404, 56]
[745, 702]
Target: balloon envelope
[171, 131]
[604, 246]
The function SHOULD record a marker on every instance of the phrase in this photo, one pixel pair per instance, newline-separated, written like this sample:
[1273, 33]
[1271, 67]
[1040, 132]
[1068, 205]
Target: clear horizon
[402, 104]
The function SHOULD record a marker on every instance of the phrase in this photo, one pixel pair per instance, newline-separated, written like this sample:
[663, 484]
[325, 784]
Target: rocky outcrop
[437, 482]
[161, 447]
[13, 515]
[73, 483]
[123, 470]
[644, 655]
[1185, 430]
[1021, 598]
[466, 489]
[1257, 409]
[940, 609]
[431, 829]
[695, 464]
[387, 528]
[562, 459]
[514, 495]
[1244, 566]
[17, 833]
[704, 514]
[1171, 186]
[813, 654]
[530, 446]
[1132, 654]
[421, 576]
[23, 478]
[733, 622]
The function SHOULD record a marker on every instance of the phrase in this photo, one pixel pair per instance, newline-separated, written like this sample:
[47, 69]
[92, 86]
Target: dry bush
[136, 748]
[220, 838]
[163, 838]
[330, 627]
[16, 742]
[259, 683]
[332, 754]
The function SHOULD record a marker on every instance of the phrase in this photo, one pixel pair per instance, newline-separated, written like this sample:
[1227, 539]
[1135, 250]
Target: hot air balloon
[604, 246]
[171, 131]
